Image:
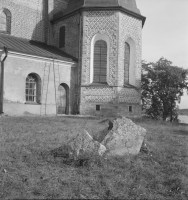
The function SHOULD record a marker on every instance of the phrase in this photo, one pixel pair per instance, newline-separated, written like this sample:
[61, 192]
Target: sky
[165, 33]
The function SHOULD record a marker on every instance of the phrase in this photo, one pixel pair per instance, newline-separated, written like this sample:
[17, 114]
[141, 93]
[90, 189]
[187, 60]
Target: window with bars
[100, 62]
[126, 63]
[32, 90]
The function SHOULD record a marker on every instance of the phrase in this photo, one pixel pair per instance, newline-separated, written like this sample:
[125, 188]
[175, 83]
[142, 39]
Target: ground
[29, 168]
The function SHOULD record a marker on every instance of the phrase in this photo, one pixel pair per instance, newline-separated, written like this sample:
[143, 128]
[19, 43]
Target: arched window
[5, 21]
[62, 37]
[33, 88]
[130, 62]
[100, 62]
[99, 59]
[126, 63]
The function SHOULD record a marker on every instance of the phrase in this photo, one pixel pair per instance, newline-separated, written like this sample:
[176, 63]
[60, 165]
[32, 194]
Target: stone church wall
[17, 69]
[28, 17]
[71, 35]
[129, 27]
[57, 6]
[25, 18]
[104, 22]
[114, 98]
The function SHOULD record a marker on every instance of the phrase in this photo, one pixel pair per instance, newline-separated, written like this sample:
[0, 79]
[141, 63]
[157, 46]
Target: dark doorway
[63, 99]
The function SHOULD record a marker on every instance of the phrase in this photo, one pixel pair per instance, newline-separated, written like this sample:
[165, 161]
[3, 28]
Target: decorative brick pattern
[127, 95]
[98, 91]
[99, 99]
[129, 27]
[28, 21]
[104, 22]
[130, 100]
[107, 22]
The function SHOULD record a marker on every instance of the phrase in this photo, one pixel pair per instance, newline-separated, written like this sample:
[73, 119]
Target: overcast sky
[165, 33]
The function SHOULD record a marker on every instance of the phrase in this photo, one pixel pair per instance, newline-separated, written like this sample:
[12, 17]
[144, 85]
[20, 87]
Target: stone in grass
[125, 138]
[83, 144]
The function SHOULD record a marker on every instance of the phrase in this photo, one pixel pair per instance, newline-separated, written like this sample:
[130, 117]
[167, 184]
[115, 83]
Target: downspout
[2, 80]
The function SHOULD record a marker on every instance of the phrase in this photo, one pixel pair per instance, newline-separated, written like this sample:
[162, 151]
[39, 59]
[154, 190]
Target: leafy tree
[162, 87]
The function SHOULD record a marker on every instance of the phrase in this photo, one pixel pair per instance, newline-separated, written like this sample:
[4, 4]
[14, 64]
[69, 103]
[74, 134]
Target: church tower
[106, 37]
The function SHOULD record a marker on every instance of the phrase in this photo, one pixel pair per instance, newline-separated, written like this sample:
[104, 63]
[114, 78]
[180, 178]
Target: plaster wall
[17, 69]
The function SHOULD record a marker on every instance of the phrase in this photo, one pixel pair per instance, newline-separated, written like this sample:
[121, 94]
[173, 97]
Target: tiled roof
[35, 48]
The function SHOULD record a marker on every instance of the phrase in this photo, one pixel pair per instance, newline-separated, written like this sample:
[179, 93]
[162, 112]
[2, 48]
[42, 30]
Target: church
[70, 57]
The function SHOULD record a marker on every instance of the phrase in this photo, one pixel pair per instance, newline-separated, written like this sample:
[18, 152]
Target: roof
[35, 48]
[126, 6]
[77, 4]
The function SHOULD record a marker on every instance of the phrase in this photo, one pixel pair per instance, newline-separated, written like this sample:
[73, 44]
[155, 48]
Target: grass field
[30, 170]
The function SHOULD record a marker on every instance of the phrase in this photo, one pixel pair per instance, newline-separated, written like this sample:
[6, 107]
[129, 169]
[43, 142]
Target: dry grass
[29, 169]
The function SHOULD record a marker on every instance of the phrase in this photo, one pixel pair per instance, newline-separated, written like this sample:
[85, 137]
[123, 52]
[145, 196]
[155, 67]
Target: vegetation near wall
[162, 87]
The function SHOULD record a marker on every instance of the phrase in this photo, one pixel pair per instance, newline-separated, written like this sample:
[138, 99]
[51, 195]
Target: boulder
[125, 138]
[83, 144]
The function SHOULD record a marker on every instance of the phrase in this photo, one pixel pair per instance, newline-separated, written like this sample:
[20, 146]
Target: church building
[70, 57]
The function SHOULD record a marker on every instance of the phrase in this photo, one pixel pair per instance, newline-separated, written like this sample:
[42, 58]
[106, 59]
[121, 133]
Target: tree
[162, 87]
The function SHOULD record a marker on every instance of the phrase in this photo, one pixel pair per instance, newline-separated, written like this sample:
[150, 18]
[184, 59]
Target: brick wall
[104, 22]
[114, 98]
[27, 16]
[57, 6]
[71, 34]
[129, 27]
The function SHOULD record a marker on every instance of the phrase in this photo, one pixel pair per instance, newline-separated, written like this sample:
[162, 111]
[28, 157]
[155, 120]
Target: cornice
[61, 16]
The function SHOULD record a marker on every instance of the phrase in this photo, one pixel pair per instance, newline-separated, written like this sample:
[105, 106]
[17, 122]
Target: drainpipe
[3, 57]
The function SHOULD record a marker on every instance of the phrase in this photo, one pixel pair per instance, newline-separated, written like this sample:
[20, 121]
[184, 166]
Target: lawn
[29, 168]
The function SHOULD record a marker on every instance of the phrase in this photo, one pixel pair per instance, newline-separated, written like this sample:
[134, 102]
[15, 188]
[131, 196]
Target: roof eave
[42, 56]
[119, 8]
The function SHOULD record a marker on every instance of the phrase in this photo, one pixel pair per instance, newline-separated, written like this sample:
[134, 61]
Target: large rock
[83, 144]
[125, 138]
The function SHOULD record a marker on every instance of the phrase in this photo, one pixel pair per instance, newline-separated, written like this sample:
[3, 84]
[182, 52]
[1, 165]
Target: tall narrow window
[32, 90]
[100, 62]
[5, 21]
[62, 37]
[126, 63]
